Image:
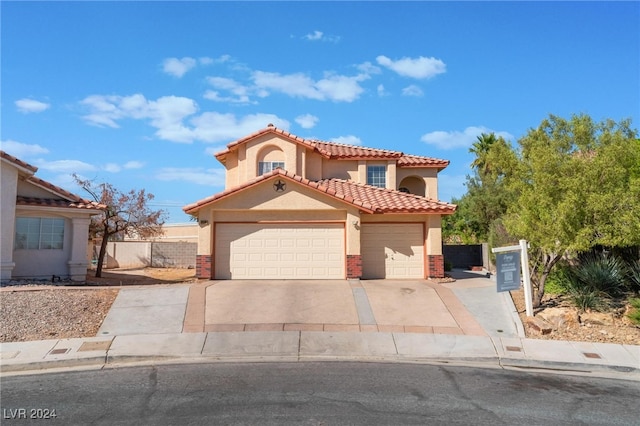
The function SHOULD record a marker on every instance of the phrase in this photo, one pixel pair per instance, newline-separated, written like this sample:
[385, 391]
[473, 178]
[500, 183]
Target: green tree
[126, 213]
[576, 185]
[480, 149]
[487, 197]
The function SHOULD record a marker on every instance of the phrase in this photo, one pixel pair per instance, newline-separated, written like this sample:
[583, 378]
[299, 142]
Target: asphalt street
[316, 393]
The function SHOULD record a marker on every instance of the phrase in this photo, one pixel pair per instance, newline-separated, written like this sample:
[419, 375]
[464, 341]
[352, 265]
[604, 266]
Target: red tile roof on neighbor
[66, 199]
[365, 197]
[18, 162]
[339, 151]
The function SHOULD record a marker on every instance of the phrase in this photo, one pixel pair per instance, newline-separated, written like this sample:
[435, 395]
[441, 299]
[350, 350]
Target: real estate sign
[508, 271]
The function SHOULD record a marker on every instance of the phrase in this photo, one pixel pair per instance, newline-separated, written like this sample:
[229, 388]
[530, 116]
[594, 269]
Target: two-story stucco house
[297, 208]
[44, 229]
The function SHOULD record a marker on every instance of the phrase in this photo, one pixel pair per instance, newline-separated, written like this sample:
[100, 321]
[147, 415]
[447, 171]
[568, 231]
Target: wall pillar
[78, 257]
[354, 266]
[435, 266]
[203, 267]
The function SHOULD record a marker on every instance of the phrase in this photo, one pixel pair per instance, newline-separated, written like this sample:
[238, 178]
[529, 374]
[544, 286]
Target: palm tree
[480, 149]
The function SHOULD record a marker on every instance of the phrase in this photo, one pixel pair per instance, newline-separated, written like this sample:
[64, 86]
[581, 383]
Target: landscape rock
[596, 318]
[560, 318]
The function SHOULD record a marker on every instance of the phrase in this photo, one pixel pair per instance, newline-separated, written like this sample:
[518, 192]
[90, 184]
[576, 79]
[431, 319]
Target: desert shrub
[582, 296]
[601, 272]
[448, 266]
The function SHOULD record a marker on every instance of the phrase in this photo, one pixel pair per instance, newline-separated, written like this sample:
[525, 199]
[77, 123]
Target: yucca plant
[603, 273]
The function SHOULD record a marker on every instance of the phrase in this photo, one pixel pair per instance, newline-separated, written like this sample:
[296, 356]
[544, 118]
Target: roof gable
[45, 194]
[364, 197]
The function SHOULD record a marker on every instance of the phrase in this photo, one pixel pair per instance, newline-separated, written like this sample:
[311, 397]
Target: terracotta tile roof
[338, 150]
[367, 198]
[342, 151]
[18, 162]
[66, 199]
[417, 161]
[49, 202]
[387, 200]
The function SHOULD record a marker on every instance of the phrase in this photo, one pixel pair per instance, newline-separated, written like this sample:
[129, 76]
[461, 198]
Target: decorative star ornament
[279, 186]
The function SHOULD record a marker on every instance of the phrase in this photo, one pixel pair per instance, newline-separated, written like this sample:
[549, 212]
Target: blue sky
[141, 94]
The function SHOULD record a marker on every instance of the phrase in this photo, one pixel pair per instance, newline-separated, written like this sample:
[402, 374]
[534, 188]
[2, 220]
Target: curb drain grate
[59, 351]
[591, 355]
[514, 349]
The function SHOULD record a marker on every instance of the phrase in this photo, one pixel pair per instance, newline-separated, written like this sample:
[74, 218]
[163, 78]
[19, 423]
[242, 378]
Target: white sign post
[526, 278]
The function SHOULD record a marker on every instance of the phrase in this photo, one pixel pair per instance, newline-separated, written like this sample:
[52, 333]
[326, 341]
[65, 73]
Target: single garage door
[277, 251]
[392, 250]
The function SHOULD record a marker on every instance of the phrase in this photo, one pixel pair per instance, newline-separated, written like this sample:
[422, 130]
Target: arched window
[270, 158]
[413, 185]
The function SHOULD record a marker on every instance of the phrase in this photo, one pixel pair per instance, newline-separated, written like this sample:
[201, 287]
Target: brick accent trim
[203, 267]
[435, 266]
[354, 266]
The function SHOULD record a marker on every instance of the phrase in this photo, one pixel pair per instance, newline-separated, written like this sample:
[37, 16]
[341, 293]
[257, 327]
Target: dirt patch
[142, 276]
[620, 331]
[41, 311]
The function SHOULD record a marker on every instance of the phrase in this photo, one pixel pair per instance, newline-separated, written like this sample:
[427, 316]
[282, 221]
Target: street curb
[43, 367]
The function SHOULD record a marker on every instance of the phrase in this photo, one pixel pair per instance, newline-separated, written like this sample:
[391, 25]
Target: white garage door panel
[265, 251]
[392, 250]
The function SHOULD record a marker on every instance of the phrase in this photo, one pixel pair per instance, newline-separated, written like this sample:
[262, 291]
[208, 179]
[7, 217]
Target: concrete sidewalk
[462, 322]
[598, 359]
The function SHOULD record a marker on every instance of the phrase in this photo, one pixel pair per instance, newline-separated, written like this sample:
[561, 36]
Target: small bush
[603, 273]
[447, 266]
[634, 315]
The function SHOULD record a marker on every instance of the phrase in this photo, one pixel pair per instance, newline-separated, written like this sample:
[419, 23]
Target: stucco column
[204, 262]
[391, 175]
[362, 171]
[435, 259]
[78, 256]
[354, 257]
[7, 221]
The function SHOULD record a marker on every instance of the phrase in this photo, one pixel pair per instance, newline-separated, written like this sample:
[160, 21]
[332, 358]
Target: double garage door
[316, 251]
[279, 251]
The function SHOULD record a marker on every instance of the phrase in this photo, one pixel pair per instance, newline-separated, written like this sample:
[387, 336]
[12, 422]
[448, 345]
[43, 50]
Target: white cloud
[65, 166]
[412, 90]
[129, 165]
[307, 121]
[178, 67]
[205, 60]
[165, 114]
[115, 168]
[456, 139]
[419, 68]
[27, 106]
[320, 36]
[368, 68]
[347, 140]
[240, 92]
[333, 87]
[197, 175]
[216, 127]
[316, 35]
[112, 168]
[381, 90]
[22, 150]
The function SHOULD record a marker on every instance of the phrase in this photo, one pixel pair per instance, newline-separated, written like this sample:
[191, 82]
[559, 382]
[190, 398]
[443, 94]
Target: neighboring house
[44, 229]
[298, 208]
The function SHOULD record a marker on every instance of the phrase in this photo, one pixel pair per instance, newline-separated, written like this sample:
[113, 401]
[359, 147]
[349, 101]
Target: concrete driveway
[328, 305]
